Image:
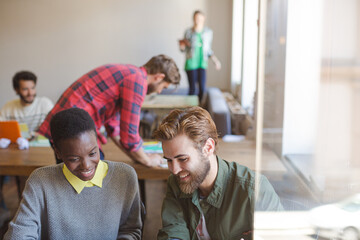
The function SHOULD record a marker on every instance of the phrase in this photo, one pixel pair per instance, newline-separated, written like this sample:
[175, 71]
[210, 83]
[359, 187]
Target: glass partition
[308, 98]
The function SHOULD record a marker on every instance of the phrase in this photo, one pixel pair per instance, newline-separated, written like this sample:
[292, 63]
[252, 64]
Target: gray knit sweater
[51, 208]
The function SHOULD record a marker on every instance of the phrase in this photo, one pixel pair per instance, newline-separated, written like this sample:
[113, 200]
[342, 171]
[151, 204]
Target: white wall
[60, 40]
[302, 76]
[219, 18]
[237, 43]
[249, 67]
[337, 161]
[340, 31]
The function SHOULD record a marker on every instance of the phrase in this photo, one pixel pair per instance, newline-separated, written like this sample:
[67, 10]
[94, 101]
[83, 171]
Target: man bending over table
[113, 95]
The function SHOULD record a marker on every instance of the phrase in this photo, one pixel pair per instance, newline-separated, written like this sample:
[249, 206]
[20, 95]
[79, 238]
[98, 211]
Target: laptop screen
[10, 130]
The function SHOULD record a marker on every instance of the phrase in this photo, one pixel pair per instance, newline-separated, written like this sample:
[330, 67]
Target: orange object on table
[10, 130]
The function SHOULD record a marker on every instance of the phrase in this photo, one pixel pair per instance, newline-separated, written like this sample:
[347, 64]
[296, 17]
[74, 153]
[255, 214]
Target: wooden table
[17, 162]
[159, 106]
[167, 102]
[243, 152]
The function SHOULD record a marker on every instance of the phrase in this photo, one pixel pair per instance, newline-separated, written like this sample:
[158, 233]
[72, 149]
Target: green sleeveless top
[197, 61]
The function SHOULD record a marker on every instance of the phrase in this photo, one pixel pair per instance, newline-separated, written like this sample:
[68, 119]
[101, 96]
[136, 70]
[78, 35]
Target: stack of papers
[152, 147]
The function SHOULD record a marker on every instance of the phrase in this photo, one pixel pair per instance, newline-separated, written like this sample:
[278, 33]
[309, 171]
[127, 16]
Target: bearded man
[28, 108]
[207, 197]
[113, 95]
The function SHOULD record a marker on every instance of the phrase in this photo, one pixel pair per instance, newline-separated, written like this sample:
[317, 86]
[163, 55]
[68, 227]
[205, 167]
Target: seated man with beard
[28, 108]
[207, 197]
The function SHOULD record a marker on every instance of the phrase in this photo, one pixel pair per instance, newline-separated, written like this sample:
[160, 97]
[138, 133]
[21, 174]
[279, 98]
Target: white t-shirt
[33, 115]
[201, 230]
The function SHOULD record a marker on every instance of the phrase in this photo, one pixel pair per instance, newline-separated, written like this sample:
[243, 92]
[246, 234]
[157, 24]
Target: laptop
[10, 130]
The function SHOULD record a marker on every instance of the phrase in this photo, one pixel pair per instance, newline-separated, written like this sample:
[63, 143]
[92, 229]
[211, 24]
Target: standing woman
[197, 46]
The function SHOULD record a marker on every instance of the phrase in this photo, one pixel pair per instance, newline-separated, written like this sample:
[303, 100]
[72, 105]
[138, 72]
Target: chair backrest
[143, 216]
[148, 121]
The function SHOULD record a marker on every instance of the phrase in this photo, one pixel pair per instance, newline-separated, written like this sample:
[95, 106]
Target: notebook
[10, 130]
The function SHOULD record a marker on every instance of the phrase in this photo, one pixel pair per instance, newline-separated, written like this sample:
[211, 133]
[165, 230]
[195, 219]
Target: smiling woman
[80, 155]
[76, 144]
[74, 197]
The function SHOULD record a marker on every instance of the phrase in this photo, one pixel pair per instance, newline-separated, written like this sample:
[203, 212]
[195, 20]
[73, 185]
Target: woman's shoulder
[120, 167]
[46, 174]
[119, 172]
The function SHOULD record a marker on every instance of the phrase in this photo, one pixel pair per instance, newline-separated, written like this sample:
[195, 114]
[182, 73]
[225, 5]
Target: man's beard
[152, 87]
[26, 101]
[196, 177]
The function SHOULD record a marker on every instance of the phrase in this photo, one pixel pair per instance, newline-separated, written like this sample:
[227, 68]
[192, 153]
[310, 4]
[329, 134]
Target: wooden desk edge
[143, 172]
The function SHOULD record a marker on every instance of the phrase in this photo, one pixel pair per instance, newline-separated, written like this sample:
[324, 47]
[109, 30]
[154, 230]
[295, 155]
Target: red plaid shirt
[112, 94]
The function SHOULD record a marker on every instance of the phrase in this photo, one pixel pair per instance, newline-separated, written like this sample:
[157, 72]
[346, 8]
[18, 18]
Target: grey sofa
[216, 105]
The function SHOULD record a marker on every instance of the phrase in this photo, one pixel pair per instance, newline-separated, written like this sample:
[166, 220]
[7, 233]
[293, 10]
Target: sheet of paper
[39, 141]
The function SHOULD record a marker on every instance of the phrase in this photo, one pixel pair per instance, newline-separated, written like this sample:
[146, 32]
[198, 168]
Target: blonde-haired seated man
[207, 197]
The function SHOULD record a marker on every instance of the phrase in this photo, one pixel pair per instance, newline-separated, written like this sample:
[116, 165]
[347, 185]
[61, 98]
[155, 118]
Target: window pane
[311, 119]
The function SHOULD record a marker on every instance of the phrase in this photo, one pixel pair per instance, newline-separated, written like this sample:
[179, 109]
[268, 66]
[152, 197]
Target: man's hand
[149, 160]
[155, 160]
[217, 65]
[216, 62]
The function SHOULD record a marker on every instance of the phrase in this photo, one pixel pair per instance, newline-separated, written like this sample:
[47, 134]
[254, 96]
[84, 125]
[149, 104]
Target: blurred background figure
[28, 109]
[197, 47]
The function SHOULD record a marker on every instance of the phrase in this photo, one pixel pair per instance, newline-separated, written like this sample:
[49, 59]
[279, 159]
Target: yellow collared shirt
[79, 184]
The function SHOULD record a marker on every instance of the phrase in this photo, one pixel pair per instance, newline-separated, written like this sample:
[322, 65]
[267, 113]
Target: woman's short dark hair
[23, 75]
[70, 123]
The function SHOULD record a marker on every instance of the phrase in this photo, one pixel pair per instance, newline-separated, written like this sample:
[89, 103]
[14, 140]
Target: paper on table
[152, 147]
[24, 129]
[40, 141]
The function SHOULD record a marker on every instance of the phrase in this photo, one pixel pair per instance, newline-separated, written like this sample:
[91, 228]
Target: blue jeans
[197, 77]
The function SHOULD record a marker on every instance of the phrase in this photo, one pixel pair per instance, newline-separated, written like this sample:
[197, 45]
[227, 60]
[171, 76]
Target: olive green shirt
[231, 211]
